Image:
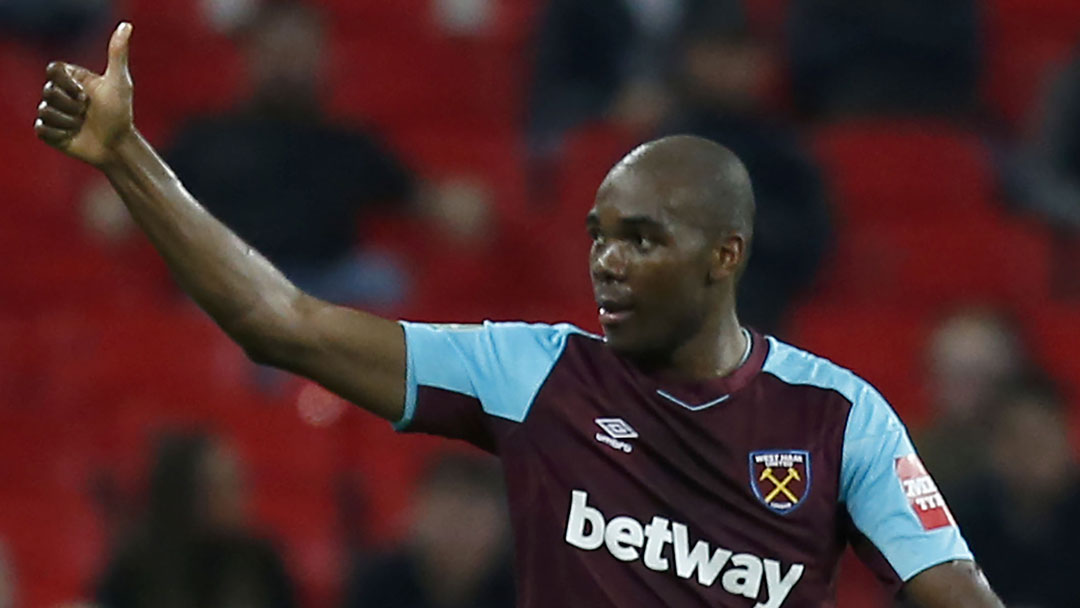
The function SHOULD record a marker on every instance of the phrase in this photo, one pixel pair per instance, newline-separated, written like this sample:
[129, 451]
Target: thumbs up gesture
[84, 114]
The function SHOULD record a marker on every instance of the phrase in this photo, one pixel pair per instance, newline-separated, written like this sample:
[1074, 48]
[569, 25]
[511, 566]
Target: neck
[715, 351]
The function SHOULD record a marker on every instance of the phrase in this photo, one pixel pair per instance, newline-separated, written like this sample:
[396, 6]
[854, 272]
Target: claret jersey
[628, 489]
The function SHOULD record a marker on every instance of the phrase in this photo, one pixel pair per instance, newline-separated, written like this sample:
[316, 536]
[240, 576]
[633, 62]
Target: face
[970, 357]
[650, 265]
[226, 499]
[460, 531]
[727, 73]
[286, 57]
[1031, 449]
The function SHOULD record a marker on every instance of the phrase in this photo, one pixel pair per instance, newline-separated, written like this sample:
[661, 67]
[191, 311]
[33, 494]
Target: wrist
[122, 150]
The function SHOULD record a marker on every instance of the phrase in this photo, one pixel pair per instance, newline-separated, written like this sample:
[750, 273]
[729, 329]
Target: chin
[624, 344]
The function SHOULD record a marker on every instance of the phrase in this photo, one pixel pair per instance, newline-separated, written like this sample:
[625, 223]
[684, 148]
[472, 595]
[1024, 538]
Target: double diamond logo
[617, 428]
[615, 431]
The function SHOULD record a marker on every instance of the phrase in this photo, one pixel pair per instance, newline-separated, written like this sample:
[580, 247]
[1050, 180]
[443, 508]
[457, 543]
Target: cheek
[671, 287]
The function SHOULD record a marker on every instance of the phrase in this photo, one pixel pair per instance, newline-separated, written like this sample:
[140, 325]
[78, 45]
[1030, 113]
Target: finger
[51, 135]
[56, 97]
[52, 117]
[79, 74]
[63, 75]
[119, 46]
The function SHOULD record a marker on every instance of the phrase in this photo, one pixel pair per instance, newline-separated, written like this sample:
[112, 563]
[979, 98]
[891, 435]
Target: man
[971, 356]
[458, 541]
[1020, 513]
[286, 177]
[683, 460]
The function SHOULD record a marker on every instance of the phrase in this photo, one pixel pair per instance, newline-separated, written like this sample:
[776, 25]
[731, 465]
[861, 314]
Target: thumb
[119, 46]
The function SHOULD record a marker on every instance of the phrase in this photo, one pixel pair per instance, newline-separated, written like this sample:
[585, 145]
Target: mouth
[615, 312]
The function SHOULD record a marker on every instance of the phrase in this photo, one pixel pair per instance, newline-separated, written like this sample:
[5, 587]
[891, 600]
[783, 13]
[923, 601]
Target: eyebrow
[633, 221]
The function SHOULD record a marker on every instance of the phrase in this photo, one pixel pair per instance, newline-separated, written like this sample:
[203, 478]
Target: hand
[84, 114]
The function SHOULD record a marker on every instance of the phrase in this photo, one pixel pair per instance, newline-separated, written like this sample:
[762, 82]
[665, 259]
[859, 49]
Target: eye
[644, 243]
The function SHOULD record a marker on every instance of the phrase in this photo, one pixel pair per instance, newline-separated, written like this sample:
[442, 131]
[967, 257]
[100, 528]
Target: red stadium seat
[936, 264]
[1056, 332]
[1026, 43]
[857, 587]
[56, 545]
[588, 155]
[495, 158]
[282, 450]
[385, 468]
[889, 171]
[424, 79]
[304, 524]
[177, 355]
[44, 453]
[882, 345]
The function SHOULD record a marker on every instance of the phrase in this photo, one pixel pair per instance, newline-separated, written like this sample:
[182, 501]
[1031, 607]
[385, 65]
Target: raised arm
[357, 355]
[956, 584]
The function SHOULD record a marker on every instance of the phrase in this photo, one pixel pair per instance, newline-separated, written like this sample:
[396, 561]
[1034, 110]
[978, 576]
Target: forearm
[231, 281]
[89, 116]
[956, 584]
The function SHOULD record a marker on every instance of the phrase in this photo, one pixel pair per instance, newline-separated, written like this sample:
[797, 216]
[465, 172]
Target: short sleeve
[890, 497]
[459, 377]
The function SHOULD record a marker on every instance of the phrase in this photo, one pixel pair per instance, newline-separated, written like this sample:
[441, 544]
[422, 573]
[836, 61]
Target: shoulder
[869, 415]
[502, 331]
[516, 348]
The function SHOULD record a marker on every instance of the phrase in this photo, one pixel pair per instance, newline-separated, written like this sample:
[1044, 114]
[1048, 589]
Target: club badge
[780, 478]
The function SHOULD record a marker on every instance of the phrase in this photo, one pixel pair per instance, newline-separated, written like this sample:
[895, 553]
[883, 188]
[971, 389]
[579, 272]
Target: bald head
[670, 230]
[700, 179]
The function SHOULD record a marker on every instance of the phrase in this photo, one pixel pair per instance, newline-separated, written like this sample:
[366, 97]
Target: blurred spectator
[193, 548]
[724, 76]
[1020, 518]
[971, 355]
[1048, 180]
[52, 20]
[8, 592]
[856, 57]
[608, 59]
[286, 179]
[457, 555]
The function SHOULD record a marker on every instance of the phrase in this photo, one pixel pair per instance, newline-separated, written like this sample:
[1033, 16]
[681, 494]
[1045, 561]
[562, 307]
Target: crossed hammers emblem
[781, 485]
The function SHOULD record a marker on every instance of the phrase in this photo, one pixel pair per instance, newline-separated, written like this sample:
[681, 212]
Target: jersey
[631, 489]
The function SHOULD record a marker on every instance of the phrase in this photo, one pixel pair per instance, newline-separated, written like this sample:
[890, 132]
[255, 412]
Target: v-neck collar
[698, 395]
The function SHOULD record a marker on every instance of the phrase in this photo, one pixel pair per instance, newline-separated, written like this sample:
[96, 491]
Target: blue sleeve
[891, 498]
[458, 374]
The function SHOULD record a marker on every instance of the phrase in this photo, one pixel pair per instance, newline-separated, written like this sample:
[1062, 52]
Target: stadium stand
[97, 353]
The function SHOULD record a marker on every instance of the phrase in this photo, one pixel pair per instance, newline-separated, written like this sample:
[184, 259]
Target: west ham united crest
[780, 478]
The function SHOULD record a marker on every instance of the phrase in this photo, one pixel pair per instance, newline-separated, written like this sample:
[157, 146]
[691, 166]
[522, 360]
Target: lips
[614, 311]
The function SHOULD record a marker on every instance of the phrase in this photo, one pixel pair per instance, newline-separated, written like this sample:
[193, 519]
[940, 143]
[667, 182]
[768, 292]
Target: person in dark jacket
[192, 547]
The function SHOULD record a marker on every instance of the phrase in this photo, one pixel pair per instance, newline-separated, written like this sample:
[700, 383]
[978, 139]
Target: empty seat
[56, 545]
[883, 345]
[897, 171]
[495, 158]
[174, 354]
[405, 80]
[1026, 43]
[1055, 330]
[934, 264]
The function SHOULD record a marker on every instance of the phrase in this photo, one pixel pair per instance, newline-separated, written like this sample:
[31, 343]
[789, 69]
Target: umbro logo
[615, 431]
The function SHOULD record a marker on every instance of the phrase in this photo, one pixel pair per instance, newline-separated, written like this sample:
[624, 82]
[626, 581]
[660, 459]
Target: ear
[728, 254]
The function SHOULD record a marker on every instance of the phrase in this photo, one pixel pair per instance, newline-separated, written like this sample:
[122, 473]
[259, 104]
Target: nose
[608, 261]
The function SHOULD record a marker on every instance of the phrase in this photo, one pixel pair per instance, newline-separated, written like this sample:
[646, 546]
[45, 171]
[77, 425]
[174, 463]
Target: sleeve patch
[922, 494]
